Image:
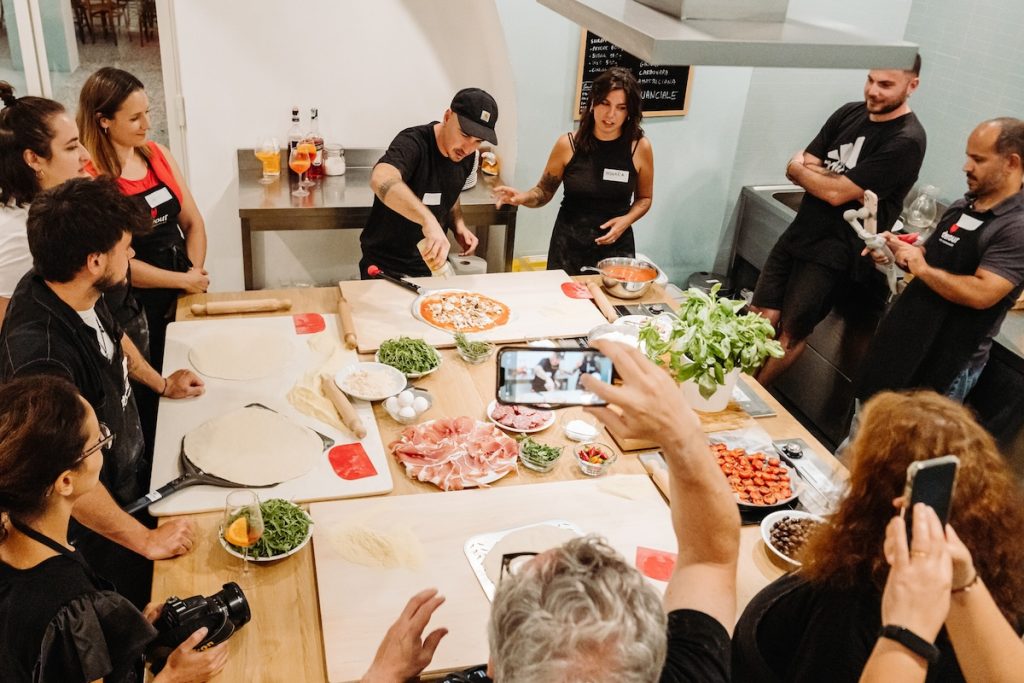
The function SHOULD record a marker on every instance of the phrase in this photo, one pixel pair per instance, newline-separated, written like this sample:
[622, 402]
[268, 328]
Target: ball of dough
[407, 413]
[405, 398]
[420, 404]
[392, 404]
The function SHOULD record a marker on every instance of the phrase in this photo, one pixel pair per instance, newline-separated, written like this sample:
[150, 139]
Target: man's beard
[109, 282]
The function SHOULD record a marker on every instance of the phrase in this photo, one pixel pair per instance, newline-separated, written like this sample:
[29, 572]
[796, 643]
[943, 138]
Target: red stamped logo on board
[308, 323]
[655, 564]
[576, 290]
[351, 462]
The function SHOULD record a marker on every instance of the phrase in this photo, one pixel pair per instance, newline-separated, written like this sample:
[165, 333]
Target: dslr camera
[222, 614]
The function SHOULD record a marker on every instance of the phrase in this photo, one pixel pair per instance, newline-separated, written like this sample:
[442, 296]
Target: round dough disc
[230, 355]
[537, 538]
[253, 446]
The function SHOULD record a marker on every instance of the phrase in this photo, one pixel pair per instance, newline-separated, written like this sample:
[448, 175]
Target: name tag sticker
[432, 199]
[155, 199]
[968, 223]
[616, 175]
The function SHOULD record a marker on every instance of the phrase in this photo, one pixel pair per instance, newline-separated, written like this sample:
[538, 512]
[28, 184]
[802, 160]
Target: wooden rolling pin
[345, 409]
[348, 327]
[602, 302]
[660, 476]
[248, 306]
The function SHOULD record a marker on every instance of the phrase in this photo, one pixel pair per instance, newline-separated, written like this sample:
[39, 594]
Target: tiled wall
[973, 70]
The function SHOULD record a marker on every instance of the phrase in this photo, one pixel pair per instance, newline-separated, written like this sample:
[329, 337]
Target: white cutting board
[177, 417]
[539, 308]
[359, 603]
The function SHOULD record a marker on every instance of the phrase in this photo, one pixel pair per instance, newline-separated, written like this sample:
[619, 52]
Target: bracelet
[969, 585]
[163, 392]
[910, 640]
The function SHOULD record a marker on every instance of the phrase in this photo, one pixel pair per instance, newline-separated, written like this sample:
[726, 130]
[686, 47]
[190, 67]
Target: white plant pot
[718, 401]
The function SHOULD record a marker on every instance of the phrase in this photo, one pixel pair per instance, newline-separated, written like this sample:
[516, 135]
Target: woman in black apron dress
[608, 170]
[62, 621]
[113, 116]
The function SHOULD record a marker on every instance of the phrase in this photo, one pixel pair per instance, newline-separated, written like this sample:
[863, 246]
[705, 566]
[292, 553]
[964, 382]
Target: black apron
[163, 247]
[599, 186]
[128, 313]
[925, 341]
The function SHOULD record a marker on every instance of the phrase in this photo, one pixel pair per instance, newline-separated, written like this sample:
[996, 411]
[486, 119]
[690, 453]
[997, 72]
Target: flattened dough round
[536, 538]
[253, 446]
[240, 356]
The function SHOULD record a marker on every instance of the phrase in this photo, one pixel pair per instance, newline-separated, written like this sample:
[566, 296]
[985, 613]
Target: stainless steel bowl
[623, 289]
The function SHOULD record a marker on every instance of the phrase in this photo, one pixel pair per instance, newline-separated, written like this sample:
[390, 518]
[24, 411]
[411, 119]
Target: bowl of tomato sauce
[626, 278]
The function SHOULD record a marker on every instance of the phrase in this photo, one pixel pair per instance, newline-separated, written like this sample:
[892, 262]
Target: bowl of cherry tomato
[594, 458]
[757, 479]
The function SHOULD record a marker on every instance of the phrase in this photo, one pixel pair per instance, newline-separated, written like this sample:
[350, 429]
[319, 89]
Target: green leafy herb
[408, 355]
[538, 453]
[472, 350]
[708, 339]
[285, 527]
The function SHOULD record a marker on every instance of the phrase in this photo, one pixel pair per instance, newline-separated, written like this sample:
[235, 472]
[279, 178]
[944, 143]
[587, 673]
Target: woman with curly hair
[608, 169]
[821, 622]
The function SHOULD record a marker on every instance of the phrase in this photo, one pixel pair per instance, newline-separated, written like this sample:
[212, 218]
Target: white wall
[372, 67]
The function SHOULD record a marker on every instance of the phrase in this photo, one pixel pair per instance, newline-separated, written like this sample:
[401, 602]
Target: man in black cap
[417, 184]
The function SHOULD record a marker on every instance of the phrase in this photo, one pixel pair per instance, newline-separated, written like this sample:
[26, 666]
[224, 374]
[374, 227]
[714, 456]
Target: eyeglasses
[105, 442]
[513, 563]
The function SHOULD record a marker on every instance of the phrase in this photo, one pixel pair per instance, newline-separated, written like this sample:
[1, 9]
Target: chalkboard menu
[665, 89]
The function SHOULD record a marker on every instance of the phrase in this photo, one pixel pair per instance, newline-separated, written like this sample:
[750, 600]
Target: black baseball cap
[477, 112]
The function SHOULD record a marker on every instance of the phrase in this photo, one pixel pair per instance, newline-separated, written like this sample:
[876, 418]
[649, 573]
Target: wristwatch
[910, 640]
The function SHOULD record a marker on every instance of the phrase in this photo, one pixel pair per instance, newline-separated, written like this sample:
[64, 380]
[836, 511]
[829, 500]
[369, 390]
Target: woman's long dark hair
[42, 433]
[615, 78]
[24, 124]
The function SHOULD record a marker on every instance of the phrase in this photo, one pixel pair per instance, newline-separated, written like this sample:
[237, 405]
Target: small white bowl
[415, 418]
[624, 334]
[392, 382]
[771, 519]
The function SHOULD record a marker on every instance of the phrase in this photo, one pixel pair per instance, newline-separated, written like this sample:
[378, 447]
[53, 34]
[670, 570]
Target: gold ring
[918, 553]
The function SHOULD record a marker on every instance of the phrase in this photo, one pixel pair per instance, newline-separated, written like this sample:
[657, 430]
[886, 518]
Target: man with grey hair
[968, 274]
[581, 612]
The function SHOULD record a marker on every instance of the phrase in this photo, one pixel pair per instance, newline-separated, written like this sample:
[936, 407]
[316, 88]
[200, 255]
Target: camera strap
[96, 579]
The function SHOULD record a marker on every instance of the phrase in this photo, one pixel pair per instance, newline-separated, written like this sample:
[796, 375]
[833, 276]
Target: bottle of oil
[316, 166]
[294, 136]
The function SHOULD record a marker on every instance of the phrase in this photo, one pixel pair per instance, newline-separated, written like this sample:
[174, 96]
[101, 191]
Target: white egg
[407, 413]
[405, 398]
[392, 404]
[420, 404]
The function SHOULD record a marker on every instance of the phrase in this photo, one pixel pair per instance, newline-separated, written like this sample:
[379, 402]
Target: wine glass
[310, 148]
[298, 161]
[267, 151]
[243, 522]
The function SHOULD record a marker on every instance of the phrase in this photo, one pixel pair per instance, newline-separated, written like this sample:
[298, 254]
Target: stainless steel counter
[343, 203]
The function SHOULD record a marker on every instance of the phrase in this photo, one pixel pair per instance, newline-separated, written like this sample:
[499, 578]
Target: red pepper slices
[756, 478]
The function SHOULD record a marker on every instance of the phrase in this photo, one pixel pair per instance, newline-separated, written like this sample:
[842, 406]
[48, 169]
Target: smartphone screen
[550, 376]
[930, 482]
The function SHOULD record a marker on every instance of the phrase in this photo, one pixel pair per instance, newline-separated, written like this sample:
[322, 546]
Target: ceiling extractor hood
[730, 33]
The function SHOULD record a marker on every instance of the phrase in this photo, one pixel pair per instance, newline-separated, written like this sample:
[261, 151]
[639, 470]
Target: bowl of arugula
[414, 357]
[286, 530]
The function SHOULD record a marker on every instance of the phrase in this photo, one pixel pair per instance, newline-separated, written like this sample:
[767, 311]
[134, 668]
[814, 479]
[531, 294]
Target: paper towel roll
[467, 265]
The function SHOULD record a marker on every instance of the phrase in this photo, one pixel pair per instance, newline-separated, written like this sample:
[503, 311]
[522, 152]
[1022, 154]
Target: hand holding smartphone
[550, 377]
[930, 482]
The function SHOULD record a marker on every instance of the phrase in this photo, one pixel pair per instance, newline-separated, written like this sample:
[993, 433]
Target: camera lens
[233, 599]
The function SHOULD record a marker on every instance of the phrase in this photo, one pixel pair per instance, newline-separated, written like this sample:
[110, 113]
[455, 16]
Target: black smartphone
[549, 377]
[930, 482]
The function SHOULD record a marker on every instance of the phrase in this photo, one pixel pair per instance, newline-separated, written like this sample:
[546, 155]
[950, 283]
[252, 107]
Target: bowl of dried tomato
[758, 480]
[594, 458]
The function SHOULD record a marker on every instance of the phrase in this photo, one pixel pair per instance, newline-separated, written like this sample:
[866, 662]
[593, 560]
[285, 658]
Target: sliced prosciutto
[455, 453]
[520, 417]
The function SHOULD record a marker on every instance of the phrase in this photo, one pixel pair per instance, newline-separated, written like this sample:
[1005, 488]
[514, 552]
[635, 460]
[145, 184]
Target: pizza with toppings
[458, 311]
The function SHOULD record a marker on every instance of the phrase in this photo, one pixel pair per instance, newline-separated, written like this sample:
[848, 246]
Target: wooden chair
[106, 11]
[147, 20]
[83, 22]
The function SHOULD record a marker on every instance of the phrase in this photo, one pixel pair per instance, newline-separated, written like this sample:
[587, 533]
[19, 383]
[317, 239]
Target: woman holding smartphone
[60, 621]
[607, 166]
[821, 622]
[113, 116]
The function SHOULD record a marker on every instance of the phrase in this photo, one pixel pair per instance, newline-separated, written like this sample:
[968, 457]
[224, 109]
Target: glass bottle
[316, 167]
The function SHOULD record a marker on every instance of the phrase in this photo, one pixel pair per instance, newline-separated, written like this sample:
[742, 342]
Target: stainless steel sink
[790, 198]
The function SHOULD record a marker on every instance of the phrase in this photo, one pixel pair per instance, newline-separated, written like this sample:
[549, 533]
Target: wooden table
[343, 203]
[283, 642]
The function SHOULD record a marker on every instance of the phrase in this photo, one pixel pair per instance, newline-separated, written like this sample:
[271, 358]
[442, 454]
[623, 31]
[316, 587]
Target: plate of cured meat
[522, 419]
[455, 453]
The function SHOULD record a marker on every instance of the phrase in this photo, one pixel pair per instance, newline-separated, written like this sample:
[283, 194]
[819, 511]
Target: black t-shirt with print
[389, 239]
[884, 157]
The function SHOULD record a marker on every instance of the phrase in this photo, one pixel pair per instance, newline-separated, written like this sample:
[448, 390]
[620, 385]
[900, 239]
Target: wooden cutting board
[177, 417]
[359, 603]
[382, 310]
